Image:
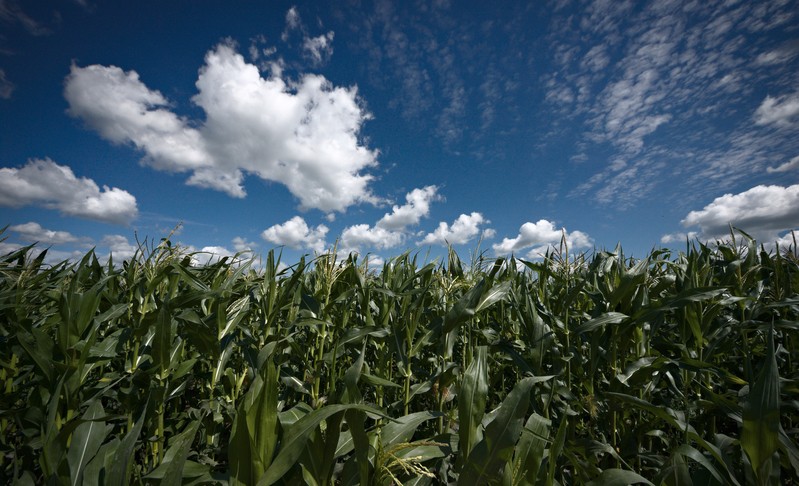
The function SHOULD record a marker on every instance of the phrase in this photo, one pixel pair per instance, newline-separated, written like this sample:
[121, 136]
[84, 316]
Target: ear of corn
[600, 369]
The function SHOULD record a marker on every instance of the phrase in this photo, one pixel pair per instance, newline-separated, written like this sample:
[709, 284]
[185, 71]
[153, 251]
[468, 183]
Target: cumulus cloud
[540, 236]
[295, 233]
[363, 235]
[6, 248]
[119, 247]
[788, 240]
[678, 237]
[779, 111]
[209, 255]
[462, 230]
[302, 134]
[762, 211]
[44, 183]
[392, 229]
[34, 232]
[241, 244]
[417, 207]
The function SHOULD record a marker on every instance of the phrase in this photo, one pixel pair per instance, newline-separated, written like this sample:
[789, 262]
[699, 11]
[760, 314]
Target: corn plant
[677, 368]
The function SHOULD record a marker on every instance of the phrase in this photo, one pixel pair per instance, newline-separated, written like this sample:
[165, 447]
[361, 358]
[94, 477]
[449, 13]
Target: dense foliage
[674, 369]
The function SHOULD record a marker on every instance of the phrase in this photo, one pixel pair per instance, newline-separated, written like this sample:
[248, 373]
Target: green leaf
[254, 435]
[96, 472]
[493, 295]
[296, 436]
[490, 455]
[123, 457]
[234, 314]
[171, 470]
[472, 401]
[618, 477]
[357, 418]
[529, 453]
[761, 414]
[402, 429]
[86, 441]
[601, 321]
[464, 309]
[162, 340]
[556, 448]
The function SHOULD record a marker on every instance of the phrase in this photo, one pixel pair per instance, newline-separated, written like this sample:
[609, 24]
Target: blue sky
[389, 126]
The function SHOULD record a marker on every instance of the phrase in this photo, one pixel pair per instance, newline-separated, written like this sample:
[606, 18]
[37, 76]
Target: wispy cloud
[792, 164]
[11, 12]
[448, 66]
[780, 111]
[6, 86]
[654, 83]
[318, 49]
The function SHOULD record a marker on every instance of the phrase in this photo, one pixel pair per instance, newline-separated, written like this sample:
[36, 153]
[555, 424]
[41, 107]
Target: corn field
[675, 369]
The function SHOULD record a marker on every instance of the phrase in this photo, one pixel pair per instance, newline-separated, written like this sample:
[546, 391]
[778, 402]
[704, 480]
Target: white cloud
[670, 72]
[119, 247]
[362, 235]
[678, 237]
[417, 207]
[6, 86]
[320, 48]
[788, 240]
[778, 111]
[391, 230]
[303, 135]
[122, 109]
[35, 233]
[296, 234]
[240, 244]
[6, 248]
[463, 229]
[209, 255]
[541, 235]
[762, 211]
[44, 183]
[792, 164]
[777, 56]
